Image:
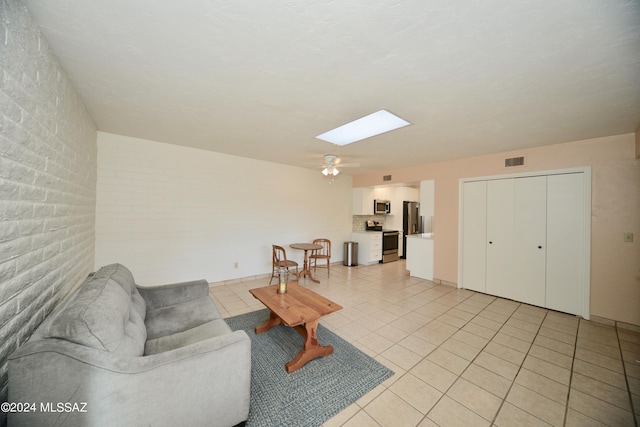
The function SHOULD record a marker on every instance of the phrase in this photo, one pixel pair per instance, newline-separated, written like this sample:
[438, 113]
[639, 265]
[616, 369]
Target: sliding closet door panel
[474, 232]
[500, 237]
[530, 212]
[566, 242]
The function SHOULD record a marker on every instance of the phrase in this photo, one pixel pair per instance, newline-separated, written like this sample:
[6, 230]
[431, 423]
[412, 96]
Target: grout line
[573, 361]
[626, 379]
[395, 285]
[598, 380]
[519, 369]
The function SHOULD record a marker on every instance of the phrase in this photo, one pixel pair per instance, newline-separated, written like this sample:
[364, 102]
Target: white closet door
[500, 237]
[566, 242]
[474, 240]
[530, 212]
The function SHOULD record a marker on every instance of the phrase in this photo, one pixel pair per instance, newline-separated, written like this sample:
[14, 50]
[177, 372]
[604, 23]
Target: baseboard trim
[615, 323]
[595, 319]
[444, 282]
[256, 277]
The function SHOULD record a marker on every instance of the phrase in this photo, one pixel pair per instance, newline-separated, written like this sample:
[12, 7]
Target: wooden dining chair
[320, 254]
[279, 260]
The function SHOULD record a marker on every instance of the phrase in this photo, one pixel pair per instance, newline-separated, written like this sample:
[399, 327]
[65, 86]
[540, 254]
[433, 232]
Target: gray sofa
[115, 354]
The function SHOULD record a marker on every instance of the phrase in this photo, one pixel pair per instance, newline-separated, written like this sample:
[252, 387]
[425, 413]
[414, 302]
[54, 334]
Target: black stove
[372, 226]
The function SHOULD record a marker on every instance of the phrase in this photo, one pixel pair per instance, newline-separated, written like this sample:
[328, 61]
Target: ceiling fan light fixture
[330, 171]
[374, 124]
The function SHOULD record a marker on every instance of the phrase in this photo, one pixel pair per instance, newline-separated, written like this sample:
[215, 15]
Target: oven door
[390, 246]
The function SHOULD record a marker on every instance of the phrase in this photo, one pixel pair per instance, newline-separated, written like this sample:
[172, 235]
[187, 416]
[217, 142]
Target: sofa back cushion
[102, 315]
[121, 275]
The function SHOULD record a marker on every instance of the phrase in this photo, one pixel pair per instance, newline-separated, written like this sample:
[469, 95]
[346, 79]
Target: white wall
[615, 209]
[47, 183]
[173, 213]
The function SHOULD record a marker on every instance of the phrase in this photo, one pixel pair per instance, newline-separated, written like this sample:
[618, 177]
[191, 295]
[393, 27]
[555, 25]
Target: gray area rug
[313, 394]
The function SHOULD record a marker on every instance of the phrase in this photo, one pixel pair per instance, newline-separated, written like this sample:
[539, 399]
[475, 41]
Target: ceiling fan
[331, 164]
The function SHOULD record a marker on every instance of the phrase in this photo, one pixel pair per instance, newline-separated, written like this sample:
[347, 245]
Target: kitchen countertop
[421, 236]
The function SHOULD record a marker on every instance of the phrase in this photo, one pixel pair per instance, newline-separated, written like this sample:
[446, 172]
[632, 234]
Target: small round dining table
[306, 247]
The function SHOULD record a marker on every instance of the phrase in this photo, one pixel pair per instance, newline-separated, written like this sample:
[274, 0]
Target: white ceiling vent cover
[514, 161]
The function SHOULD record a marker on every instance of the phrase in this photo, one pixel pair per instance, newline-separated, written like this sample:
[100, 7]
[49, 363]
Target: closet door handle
[539, 247]
[490, 242]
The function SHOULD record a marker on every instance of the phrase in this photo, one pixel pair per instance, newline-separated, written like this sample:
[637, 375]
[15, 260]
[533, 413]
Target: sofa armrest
[175, 293]
[204, 383]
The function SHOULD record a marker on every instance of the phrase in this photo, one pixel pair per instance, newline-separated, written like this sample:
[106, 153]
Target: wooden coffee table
[300, 308]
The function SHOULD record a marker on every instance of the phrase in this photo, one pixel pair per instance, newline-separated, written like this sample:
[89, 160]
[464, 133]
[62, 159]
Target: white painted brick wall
[47, 183]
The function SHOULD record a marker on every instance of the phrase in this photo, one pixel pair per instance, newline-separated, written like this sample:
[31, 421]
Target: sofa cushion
[122, 275]
[135, 336]
[101, 316]
[137, 302]
[180, 317]
[181, 339]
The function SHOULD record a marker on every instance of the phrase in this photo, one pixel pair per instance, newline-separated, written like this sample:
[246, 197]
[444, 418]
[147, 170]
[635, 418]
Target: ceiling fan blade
[331, 160]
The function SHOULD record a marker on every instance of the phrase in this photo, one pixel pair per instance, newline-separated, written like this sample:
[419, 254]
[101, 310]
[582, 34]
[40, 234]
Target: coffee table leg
[312, 349]
[270, 323]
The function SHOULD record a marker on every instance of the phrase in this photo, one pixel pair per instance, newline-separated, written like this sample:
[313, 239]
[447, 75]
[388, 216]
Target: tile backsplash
[359, 221]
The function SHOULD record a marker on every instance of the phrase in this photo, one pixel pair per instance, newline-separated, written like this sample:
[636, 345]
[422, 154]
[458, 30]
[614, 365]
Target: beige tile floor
[463, 358]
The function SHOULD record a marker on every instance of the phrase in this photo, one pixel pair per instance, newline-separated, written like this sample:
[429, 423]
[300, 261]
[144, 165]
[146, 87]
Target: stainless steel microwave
[381, 207]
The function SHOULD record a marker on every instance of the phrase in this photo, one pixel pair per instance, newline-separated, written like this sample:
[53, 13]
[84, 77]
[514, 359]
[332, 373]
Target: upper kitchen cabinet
[397, 195]
[384, 193]
[409, 194]
[363, 201]
[403, 194]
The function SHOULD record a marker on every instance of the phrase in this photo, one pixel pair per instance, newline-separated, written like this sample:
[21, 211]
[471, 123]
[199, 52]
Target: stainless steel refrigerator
[411, 223]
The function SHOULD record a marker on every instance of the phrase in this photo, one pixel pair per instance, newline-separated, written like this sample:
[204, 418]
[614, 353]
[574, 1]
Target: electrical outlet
[235, 264]
[628, 237]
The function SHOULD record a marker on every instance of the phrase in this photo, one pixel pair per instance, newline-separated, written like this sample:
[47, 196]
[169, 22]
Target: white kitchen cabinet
[384, 193]
[363, 201]
[409, 194]
[369, 246]
[397, 195]
[525, 238]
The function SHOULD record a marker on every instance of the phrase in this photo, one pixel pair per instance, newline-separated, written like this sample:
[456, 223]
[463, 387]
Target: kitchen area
[395, 222]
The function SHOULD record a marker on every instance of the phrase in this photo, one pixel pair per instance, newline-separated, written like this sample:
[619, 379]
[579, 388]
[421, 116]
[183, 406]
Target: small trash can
[350, 254]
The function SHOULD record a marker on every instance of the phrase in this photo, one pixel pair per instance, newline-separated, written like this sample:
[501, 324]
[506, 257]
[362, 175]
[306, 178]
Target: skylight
[374, 124]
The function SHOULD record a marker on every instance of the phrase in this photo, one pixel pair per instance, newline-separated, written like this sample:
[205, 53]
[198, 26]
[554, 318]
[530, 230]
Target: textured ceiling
[261, 78]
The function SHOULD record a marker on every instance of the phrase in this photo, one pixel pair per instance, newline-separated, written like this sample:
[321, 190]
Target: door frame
[586, 274]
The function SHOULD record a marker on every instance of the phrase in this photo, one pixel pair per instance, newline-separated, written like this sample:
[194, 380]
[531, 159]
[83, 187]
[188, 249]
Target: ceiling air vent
[514, 161]
[386, 178]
